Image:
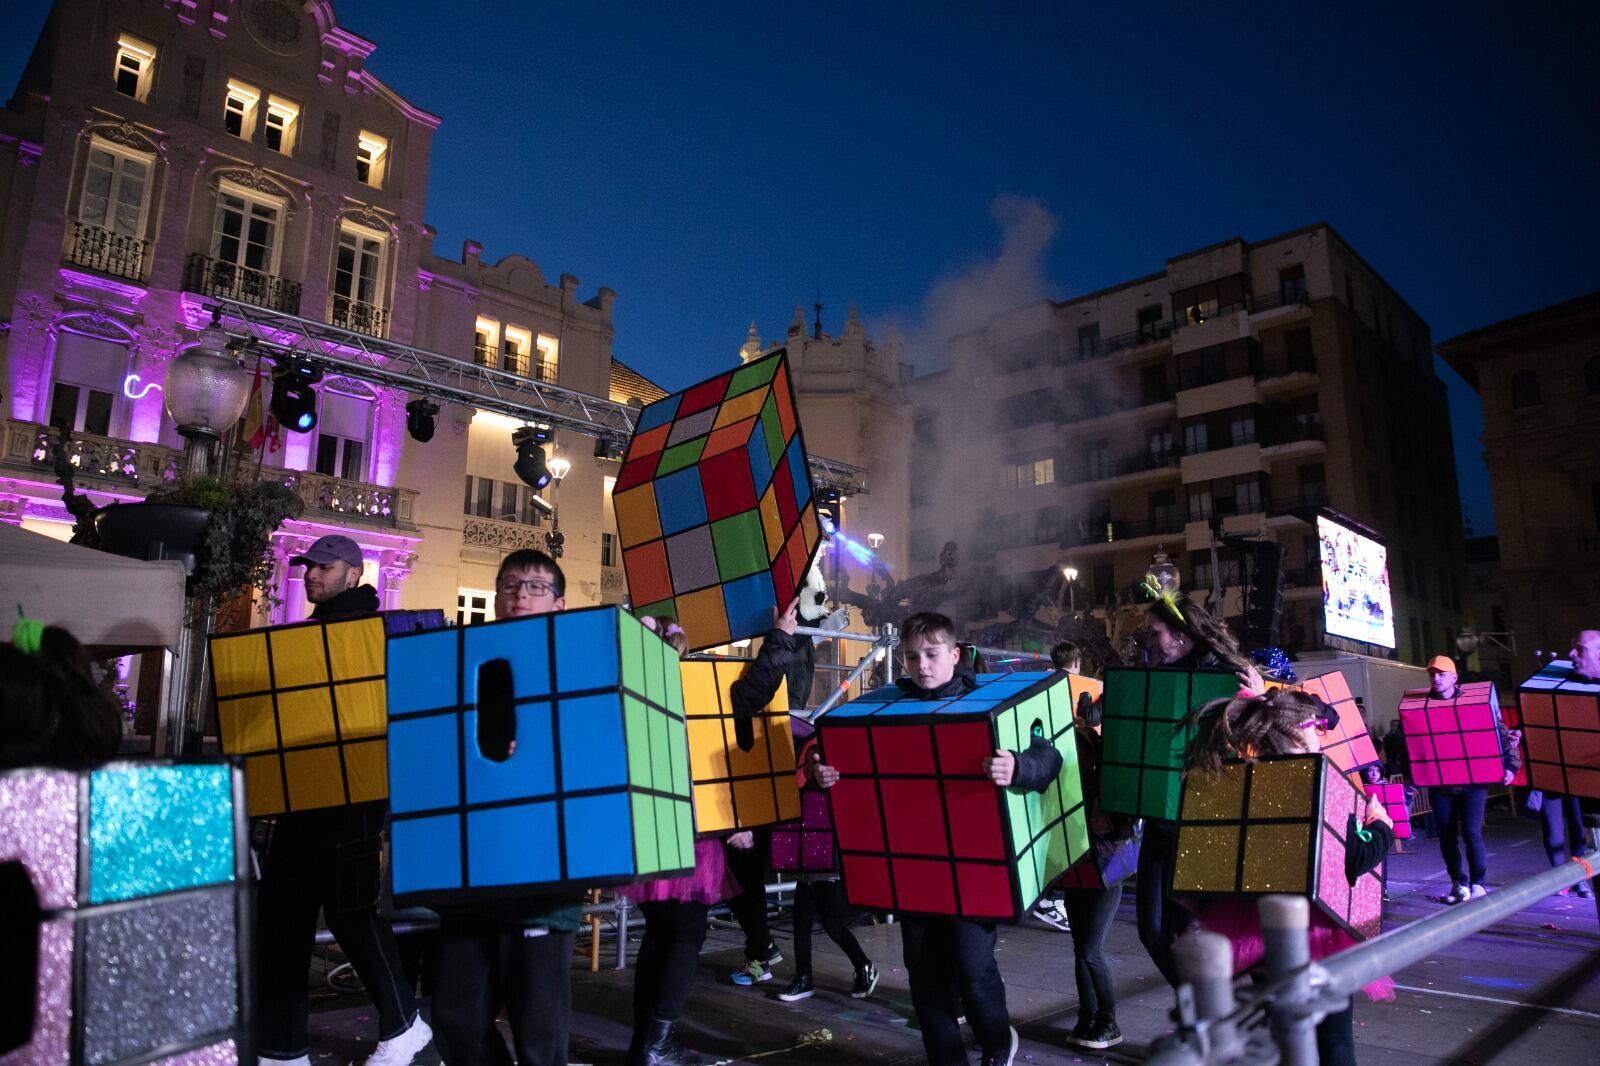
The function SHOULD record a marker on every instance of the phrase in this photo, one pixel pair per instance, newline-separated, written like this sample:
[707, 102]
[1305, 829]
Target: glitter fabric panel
[160, 974]
[223, 1054]
[156, 829]
[52, 1022]
[39, 826]
[1208, 859]
[1338, 801]
[1333, 891]
[1366, 906]
[1209, 799]
[1275, 858]
[1282, 789]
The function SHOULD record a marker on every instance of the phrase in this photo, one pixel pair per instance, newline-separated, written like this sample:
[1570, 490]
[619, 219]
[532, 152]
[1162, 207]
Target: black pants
[1161, 921]
[323, 861]
[1460, 814]
[485, 964]
[1336, 1038]
[749, 907]
[1563, 825]
[945, 956]
[673, 933]
[1090, 913]
[823, 901]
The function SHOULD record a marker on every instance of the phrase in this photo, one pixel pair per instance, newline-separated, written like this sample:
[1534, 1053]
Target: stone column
[393, 569]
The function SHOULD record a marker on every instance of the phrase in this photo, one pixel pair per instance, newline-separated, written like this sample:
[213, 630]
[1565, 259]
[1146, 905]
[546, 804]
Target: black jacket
[1365, 848]
[363, 599]
[759, 683]
[1036, 767]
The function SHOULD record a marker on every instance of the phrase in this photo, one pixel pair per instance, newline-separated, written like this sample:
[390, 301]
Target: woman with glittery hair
[1247, 727]
[51, 710]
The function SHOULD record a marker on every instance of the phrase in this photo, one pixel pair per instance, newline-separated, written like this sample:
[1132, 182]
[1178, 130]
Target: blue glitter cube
[133, 877]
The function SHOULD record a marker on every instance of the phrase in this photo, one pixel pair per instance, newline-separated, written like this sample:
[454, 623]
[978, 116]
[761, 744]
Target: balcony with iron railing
[1307, 501]
[105, 252]
[218, 277]
[1280, 435]
[109, 464]
[1098, 468]
[1108, 530]
[1089, 348]
[358, 317]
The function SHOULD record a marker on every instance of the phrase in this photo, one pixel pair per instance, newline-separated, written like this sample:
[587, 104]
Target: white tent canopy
[111, 604]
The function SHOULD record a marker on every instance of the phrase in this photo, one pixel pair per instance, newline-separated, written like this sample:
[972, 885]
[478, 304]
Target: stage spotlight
[419, 419]
[610, 448]
[530, 465]
[294, 401]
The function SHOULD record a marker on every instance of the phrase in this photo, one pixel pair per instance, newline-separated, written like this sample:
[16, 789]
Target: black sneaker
[1002, 1058]
[866, 981]
[1085, 1023]
[799, 988]
[1102, 1034]
[774, 956]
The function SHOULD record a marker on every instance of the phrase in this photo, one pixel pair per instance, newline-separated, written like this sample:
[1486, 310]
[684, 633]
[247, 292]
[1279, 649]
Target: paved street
[1527, 991]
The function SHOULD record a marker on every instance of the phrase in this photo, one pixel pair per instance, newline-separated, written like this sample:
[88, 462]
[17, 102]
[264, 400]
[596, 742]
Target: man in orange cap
[1458, 809]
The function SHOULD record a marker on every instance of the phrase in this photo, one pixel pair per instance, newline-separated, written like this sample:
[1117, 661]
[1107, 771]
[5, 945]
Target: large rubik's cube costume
[1346, 741]
[1454, 741]
[597, 789]
[1276, 825]
[714, 507]
[922, 829]
[1561, 727]
[740, 782]
[1141, 773]
[123, 917]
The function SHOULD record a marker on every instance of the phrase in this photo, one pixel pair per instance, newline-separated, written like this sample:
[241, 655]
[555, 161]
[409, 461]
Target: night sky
[937, 163]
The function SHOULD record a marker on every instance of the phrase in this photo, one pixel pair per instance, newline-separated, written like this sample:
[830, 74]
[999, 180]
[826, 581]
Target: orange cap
[1442, 664]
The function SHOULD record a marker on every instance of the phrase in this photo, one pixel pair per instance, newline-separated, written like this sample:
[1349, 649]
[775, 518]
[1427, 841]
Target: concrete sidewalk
[1527, 991]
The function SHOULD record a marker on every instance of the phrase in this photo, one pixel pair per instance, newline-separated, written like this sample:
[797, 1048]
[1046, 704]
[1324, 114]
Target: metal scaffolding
[446, 379]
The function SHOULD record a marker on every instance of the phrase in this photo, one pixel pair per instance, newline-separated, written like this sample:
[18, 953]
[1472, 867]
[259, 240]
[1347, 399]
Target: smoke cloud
[968, 296]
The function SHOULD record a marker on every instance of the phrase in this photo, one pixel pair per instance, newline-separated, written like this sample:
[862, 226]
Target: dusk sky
[710, 163]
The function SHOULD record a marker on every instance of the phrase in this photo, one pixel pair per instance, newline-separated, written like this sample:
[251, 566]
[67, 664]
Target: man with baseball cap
[327, 860]
[1458, 809]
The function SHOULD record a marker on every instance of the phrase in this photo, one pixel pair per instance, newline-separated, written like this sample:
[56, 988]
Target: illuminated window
[281, 118]
[515, 348]
[136, 62]
[549, 354]
[246, 230]
[239, 110]
[473, 605]
[486, 345]
[371, 159]
[116, 189]
[358, 272]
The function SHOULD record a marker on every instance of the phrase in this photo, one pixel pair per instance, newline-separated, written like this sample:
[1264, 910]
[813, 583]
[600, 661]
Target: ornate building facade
[158, 155]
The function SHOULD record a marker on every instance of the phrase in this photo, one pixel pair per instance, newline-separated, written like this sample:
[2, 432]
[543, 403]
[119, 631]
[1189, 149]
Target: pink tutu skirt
[711, 881]
[1237, 920]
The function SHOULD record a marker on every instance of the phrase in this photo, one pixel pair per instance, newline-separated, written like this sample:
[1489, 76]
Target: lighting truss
[447, 379]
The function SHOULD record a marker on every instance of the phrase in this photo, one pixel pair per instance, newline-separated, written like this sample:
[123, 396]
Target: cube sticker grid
[1392, 794]
[133, 880]
[714, 504]
[1561, 728]
[1275, 825]
[304, 705]
[736, 788]
[596, 790]
[806, 844]
[922, 829]
[1144, 739]
[1454, 741]
[1346, 741]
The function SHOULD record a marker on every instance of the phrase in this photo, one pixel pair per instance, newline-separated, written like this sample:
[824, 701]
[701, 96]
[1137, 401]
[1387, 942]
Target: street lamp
[556, 540]
[205, 394]
[876, 540]
[1069, 573]
[1468, 641]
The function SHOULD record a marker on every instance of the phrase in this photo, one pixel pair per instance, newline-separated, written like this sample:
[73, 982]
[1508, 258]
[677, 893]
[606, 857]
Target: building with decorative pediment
[159, 155]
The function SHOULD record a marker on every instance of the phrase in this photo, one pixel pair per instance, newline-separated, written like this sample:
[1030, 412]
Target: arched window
[1525, 389]
[1591, 376]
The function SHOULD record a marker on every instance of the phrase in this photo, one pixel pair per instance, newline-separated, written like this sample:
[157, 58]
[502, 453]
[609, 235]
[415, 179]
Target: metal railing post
[1285, 932]
[1206, 1033]
[621, 905]
[888, 659]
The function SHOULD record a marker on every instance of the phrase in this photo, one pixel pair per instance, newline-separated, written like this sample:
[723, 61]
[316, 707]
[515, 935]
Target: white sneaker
[1053, 912]
[400, 1050]
[1457, 894]
[303, 1060]
[1477, 892]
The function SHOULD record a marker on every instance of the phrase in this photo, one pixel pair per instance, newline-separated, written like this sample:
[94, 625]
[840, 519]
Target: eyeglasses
[533, 588]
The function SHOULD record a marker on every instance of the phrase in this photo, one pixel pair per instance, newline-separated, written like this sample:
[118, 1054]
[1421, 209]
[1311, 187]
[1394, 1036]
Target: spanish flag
[255, 413]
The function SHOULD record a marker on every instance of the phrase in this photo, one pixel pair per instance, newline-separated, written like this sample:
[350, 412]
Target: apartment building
[1242, 387]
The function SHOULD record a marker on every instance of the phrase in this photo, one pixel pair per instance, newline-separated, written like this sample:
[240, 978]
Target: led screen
[1355, 585]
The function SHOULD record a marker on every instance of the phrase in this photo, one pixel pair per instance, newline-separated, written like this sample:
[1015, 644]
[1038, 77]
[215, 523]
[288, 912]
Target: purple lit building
[156, 156]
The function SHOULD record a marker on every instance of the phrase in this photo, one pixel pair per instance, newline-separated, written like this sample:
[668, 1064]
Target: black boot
[661, 1048]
